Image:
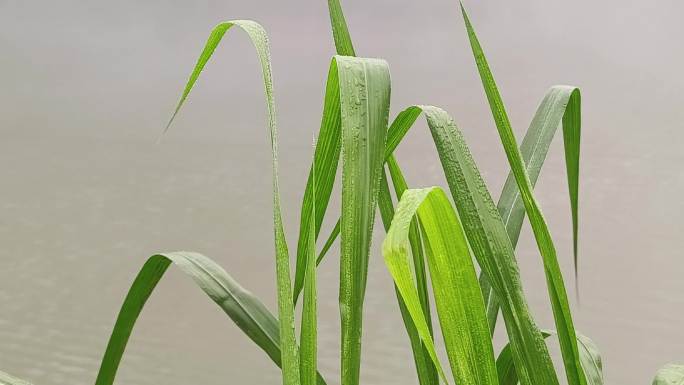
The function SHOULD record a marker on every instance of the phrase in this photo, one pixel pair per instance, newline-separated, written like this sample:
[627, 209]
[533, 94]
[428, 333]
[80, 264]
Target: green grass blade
[326, 157]
[590, 359]
[457, 295]
[554, 278]
[364, 105]
[670, 374]
[327, 152]
[248, 313]
[400, 186]
[308, 339]
[288, 343]
[425, 368]
[561, 103]
[407, 295]
[6, 379]
[343, 42]
[329, 242]
[491, 246]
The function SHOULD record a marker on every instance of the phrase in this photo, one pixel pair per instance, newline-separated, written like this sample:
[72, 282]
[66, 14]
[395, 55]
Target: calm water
[86, 193]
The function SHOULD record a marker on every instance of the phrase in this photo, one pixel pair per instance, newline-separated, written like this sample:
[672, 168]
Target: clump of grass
[425, 235]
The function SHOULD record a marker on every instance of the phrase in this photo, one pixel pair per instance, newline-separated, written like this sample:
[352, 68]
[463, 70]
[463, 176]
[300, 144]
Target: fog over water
[87, 194]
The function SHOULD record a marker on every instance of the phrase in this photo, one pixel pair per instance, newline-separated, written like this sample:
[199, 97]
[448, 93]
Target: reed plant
[458, 252]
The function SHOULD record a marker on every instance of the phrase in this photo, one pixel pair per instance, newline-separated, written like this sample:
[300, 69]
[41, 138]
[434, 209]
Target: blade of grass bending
[400, 186]
[457, 294]
[248, 313]
[590, 359]
[6, 379]
[487, 236]
[561, 103]
[492, 248]
[670, 374]
[308, 338]
[554, 277]
[364, 104]
[288, 342]
[425, 368]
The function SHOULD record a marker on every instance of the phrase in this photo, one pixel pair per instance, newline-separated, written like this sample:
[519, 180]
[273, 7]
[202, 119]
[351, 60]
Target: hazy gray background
[86, 194]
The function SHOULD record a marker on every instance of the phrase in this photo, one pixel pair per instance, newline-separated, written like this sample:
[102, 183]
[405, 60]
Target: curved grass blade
[288, 342]
[492, 248]
[248, 313]
[561, 103]
[6, 379]
[554, 278]
[670, 374]
[457, 294]
[425, 368]
[364, 106]
[590, 359]
[487, 235]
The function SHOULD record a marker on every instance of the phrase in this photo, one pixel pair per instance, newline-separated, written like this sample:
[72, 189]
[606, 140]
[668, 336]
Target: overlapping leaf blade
[492, 248]
[554, 278]
[422, 357]
[457, 295]
[561, 103]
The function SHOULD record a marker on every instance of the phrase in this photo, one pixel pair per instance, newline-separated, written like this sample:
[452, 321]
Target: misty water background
[86, 193]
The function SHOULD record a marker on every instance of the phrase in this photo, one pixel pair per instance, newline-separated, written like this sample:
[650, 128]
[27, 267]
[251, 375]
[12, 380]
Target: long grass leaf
[590, 359]
[343, 41]
[492, 248]
[288, 343]
[554, 278]
[364, 105]
[459, 302]
[327, 151]
[487, 236]
[670, 374]
[561, 103]
[247, 311]
[308, 339]
[6, 379]
[425, 368]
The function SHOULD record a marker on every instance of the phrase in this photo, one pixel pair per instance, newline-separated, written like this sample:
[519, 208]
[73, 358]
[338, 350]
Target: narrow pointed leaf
[561, 103]
[554, 278]
[343, 41]
[327, 151]
[288, 343]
